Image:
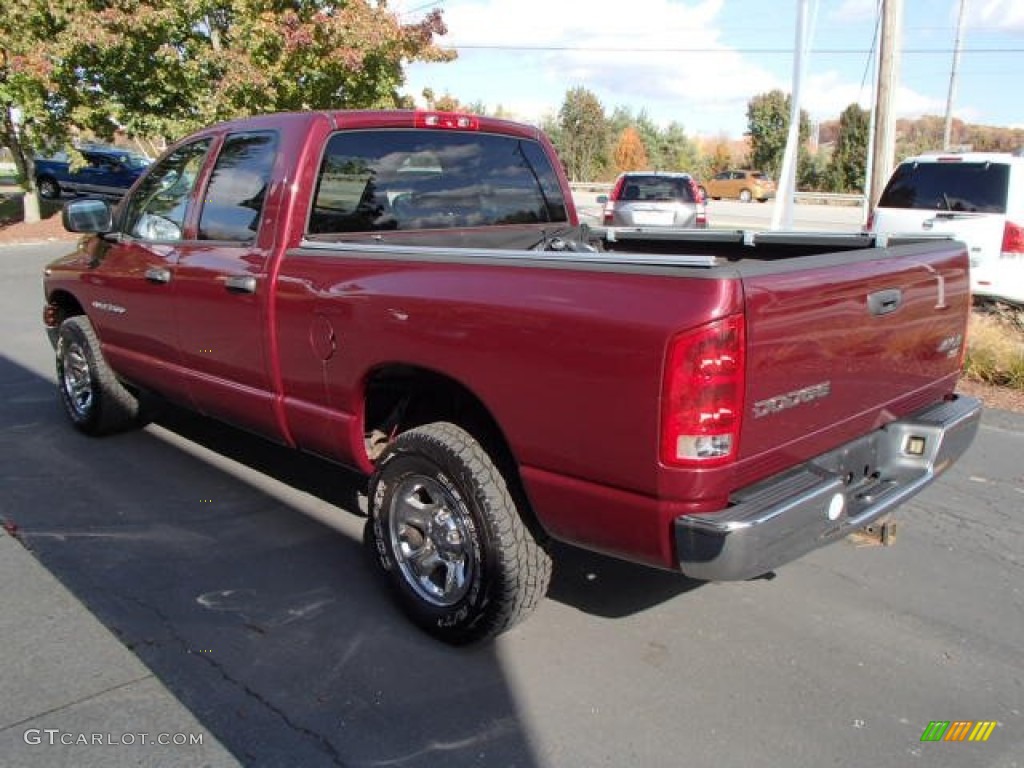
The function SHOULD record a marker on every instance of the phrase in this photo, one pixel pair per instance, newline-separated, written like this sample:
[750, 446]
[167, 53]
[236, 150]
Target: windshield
[948, 186]
[133, 161]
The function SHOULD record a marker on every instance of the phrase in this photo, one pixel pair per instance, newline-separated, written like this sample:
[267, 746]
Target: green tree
[67, 67]
[583, 135]
[679, 152]
[812, 172]
[34, 110]
[849, 159]
[768, 128]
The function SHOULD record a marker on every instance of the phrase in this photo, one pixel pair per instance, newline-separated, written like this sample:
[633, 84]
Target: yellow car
[744, 185]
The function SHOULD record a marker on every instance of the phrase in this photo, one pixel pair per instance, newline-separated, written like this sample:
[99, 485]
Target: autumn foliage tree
[630, 154]
[166, 67]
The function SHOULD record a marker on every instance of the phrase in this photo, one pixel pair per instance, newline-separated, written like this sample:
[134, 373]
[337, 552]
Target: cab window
[381, 180]
[159, 206]
[238, 186]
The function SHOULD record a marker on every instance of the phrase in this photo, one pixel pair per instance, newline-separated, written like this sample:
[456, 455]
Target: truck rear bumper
[783, 517]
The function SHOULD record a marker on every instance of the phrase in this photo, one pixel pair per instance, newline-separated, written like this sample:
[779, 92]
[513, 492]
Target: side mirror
[88, 216]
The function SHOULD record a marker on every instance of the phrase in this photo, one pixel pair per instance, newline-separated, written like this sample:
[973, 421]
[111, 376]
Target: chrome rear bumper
[783, 517]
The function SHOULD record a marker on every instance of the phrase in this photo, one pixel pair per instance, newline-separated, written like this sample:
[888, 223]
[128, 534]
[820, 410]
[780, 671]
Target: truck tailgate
[846, 346]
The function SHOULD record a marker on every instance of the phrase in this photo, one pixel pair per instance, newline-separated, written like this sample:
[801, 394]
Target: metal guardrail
[829, 198]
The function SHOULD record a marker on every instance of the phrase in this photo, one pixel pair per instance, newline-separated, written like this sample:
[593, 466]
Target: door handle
[158, 275]
[240, 284]
[884, 302]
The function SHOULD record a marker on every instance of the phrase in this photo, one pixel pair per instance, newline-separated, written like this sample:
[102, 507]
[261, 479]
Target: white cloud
[1008, 15]
[666, 57]
[855, 10]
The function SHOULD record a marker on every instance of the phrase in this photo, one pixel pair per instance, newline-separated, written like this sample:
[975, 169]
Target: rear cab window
[395, 180]
[972, 187]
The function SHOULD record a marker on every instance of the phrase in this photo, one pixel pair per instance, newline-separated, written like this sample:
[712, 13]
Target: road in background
[732, 214]
[235, 571]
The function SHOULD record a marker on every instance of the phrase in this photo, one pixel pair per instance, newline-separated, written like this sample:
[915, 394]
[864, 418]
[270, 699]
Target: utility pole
[884, 137]
[947, 132]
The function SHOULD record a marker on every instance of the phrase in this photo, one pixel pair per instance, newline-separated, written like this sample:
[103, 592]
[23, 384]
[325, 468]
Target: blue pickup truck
[106, 171]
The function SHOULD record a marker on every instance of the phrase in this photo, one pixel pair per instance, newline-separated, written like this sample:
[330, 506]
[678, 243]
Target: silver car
[654, 199]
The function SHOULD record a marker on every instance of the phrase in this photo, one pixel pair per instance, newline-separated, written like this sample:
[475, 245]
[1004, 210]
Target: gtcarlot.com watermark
[55, 736]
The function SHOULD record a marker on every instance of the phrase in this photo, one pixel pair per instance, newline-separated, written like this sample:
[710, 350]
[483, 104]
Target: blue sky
[700, 62]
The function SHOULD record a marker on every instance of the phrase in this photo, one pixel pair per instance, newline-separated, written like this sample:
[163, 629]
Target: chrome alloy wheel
[76, 378]
[431, 539]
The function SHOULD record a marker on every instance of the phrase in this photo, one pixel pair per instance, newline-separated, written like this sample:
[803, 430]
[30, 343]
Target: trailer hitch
[879, 533]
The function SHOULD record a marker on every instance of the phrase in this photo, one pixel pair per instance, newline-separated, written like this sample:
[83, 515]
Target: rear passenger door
[223, 289]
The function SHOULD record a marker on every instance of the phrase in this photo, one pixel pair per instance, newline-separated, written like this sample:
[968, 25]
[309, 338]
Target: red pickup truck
[411, 294]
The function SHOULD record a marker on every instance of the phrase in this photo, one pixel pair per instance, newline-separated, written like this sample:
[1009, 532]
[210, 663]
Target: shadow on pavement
[270, 626]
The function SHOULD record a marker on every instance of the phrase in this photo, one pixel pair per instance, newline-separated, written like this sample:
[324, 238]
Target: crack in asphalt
[322, 742]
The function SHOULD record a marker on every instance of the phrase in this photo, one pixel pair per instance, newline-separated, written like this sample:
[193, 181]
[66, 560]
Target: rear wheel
[744, 195]
[95, 401]
[448, 536]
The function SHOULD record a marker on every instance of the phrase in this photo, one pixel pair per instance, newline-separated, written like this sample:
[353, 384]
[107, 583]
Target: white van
[976, 197]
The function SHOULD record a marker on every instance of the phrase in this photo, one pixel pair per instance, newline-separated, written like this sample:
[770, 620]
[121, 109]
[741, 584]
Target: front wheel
[95, 401]
[48, 188]
[448, 536]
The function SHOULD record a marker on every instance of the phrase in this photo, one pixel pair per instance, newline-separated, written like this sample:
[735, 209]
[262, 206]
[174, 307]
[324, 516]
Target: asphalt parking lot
[234, 572]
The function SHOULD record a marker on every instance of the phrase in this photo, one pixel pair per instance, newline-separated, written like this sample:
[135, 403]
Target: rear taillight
[1013, 240]
[609, 207]
[701, 220]
[702, 395]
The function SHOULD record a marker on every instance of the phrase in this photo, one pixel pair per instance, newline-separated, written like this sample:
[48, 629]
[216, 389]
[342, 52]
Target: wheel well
[60, 306]
[400, 398]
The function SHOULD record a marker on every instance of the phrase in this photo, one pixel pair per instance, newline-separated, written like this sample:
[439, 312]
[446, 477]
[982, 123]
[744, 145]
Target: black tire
[94, 400]
[48, 188]
[446, 533]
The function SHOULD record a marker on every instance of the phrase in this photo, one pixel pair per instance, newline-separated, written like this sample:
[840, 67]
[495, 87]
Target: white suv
[976, 197]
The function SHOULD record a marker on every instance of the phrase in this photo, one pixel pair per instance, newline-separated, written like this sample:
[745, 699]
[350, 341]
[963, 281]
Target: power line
[758, 51]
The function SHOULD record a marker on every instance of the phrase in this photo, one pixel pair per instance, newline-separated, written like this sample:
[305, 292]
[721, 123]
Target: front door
[135, 298]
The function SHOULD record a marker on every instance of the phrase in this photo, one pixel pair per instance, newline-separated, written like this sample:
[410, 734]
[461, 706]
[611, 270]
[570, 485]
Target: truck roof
[384, 118]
